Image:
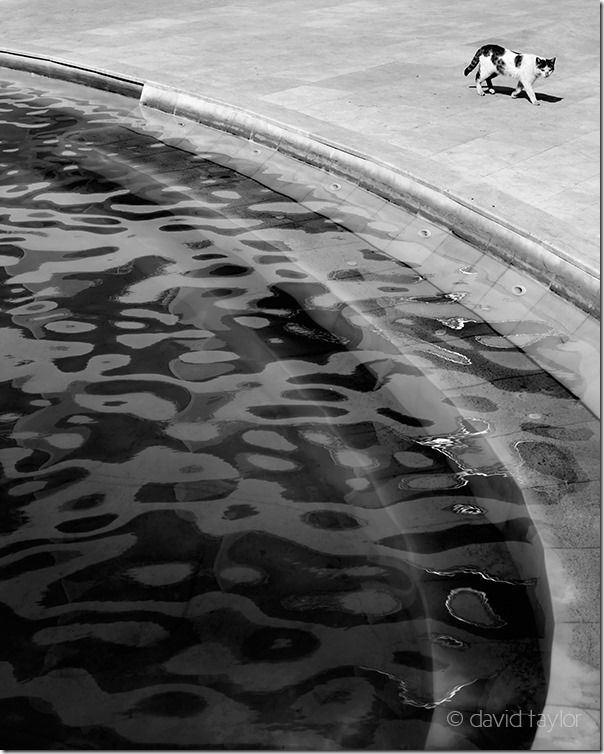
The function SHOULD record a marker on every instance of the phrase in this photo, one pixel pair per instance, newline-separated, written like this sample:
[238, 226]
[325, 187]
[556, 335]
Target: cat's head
[545, 66]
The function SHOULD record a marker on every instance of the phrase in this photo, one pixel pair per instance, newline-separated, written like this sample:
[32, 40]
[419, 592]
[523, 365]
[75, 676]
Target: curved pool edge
[549, 263]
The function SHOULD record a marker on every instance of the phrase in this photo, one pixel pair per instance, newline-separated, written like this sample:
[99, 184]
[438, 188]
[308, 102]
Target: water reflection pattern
[234, 515]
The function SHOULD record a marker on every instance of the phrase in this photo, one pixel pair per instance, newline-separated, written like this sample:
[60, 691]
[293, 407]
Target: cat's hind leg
[486, 70]
[489, 83]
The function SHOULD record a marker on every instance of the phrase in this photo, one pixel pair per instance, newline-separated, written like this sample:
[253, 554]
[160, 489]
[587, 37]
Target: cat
[493, 60]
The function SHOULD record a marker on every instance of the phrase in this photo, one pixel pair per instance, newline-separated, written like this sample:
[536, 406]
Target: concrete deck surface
[385, 77]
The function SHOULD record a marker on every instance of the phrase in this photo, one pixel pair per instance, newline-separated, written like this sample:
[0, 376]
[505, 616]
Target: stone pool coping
[548, 262]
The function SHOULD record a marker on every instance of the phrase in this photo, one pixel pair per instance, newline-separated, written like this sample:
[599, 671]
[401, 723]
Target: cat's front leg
[517, 91]
[528, 88]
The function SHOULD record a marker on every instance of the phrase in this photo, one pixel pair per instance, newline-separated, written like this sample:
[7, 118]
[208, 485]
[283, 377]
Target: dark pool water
[233, 515]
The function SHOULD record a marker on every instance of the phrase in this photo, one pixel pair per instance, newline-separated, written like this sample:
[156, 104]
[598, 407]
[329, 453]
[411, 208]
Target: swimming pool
[248, 506]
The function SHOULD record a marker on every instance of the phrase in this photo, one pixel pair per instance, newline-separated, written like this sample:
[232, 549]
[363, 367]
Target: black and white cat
[493, 60]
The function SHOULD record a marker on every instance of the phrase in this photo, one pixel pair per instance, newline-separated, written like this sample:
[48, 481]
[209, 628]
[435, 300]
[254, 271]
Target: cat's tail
[473, 63]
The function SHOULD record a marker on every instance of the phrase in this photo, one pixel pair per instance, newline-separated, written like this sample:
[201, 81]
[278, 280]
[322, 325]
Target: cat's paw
[515, 94]
[537, 104]
[479, 91]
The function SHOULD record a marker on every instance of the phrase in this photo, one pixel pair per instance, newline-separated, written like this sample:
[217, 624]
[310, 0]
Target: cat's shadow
[509, 89]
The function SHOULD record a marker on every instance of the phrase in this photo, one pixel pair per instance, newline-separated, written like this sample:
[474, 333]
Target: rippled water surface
[234, 515]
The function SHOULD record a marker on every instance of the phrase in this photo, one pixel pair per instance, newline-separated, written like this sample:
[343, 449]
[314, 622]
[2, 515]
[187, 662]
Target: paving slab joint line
[550, 264]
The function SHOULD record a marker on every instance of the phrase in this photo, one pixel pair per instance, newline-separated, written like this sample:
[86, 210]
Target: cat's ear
[538, 60]
[553, 62]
